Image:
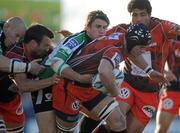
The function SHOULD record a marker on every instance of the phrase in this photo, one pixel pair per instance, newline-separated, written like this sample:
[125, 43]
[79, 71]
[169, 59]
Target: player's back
[88, 58]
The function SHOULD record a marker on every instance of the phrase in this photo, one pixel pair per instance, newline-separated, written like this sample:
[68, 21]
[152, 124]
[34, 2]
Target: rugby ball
[96, 82]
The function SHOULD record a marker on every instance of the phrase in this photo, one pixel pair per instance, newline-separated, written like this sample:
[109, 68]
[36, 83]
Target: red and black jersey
[6, 84]
[174, 64]
[88, 58]
[157, 54]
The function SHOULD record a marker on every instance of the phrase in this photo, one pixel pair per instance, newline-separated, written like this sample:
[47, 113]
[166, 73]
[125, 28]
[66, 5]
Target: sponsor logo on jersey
[114, 36]
[148, 110]
[167, 103]
[116, 59]
[72, 43]
[135, 70]
[124, 93]
[75, 105]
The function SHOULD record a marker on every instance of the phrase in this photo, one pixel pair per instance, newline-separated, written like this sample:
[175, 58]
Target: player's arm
[27, 85]
[65, 33]
[69, 73]
[107, 78]
[15, 66]
[153, 74]
[60, 67]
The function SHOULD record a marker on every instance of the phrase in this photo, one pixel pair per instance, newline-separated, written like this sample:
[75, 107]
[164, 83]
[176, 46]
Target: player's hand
[158, 77]
[64, 33]
[55, 79]
[170, 76]
[35, 67]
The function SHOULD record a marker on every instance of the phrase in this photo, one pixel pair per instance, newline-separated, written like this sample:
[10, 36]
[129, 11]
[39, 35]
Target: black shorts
[42, 100]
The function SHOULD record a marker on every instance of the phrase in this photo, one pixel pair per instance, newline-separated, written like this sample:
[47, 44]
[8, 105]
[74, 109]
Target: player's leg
[168, 109]
[46, 122]
[163, 121]
[107, 109]
[45, 117]
[14, 116]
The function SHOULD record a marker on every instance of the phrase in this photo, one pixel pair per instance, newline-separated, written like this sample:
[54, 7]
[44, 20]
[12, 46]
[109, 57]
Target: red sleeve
[114, 55]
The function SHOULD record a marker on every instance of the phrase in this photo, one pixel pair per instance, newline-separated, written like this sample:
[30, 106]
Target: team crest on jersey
[114, 36]
[116, 59]
[124, 93]
[75, 105]
[167, 103]
[148, 110]
[48, 97]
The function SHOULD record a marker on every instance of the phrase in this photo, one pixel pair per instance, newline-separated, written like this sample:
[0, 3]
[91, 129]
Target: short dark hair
[139, 4]
[36, 32]
[97, 14]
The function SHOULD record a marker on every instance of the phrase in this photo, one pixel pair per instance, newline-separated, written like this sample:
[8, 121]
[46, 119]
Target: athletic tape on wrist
[17, 66]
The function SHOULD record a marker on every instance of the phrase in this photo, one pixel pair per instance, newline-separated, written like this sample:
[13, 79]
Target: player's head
[38, 40]
[140, 11]
[137, 35]
[96, 24]
[14, 30]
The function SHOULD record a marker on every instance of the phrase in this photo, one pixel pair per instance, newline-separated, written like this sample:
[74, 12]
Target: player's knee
[160, 129]
[65, 129]
[16, 130]
[117, 120]
[107, 110]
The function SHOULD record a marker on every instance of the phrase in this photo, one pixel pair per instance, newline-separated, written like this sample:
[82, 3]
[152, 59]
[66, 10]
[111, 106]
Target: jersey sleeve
[168, 28]
[113, 55]
[65, 50]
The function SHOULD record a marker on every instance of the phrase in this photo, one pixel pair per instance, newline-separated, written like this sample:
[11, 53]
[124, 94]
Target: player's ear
[6, 26]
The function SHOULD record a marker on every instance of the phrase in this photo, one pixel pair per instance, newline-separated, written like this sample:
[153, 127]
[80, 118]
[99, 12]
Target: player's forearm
[107, 78]
[4, 64]
[33, 85]
[138, 61]
[69, 73]
[108, 81]
[13, 66]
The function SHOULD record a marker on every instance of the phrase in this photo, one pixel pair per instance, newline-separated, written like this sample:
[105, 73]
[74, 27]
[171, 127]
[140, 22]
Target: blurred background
[71, 15]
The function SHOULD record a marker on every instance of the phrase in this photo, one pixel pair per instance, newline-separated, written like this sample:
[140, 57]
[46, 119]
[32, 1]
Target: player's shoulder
[76, 37]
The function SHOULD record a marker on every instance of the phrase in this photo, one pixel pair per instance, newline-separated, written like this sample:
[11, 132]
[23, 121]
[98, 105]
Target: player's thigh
[163, 121]
[13, 114]
[46, 122]
[133, 124]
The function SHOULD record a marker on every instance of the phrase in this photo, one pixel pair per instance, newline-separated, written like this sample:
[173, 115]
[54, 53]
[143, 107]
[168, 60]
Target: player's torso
[174, 65]
[88, 58]
[6, 84]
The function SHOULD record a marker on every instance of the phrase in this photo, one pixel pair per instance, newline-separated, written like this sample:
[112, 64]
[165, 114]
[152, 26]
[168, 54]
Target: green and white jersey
[66, 48]
[47, 72]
